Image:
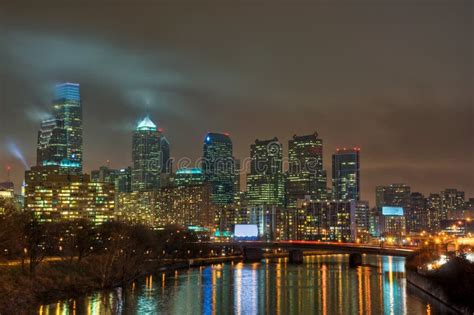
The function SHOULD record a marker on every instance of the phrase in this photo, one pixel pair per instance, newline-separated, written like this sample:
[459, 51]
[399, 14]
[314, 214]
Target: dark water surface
[324, 284]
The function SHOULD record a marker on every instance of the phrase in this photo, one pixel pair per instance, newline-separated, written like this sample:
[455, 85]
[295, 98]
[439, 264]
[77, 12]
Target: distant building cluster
[284, 204]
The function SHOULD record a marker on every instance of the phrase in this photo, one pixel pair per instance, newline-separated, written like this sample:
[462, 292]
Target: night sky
[393, 77]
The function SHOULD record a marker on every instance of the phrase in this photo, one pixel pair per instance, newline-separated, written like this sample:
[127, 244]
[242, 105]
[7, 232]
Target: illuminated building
[218, 166]
[52, 142]
[392, 195]
[362, 214]
[453, 204]
[306, 176]
[185, 205]
[123, 180]
[7, 197]
[120, 178]
[146, 156]
[55, 197]
[457, 227]
[393, 223]
[67, 108]
[346, 174]
[433, 205]
[104, 174]
[375, 222]
[166, 163]
[325, 220]
[141, 207]
[416, 214]
[237, 187]
[189, 177]
[265, 182]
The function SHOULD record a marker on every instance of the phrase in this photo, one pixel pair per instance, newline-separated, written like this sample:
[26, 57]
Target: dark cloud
[392, 77]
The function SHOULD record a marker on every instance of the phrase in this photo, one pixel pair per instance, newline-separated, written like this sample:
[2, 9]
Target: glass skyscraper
[218, 167]
[306, 176]
[346, 174]
[68, 109]
[146, 156]
[60, 137]
[265, 182]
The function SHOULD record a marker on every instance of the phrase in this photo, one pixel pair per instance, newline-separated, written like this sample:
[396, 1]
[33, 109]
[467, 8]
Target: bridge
[253, 250]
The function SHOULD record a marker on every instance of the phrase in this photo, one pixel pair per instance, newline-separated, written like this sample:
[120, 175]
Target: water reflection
[324, 284]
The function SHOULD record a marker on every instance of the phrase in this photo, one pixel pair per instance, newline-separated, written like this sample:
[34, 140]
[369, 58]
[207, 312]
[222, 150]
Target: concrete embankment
[434, 290]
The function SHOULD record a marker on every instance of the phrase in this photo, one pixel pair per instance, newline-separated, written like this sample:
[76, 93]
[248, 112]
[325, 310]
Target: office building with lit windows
[186, 204]
[52, 143]
[392, 195]
[306, 177]
[146, 156]
[433, 208]
[325, 220]
[416, 214]
[346, 174]
[67, 108]
[53, 196]
[453, 204]
[59, 141]
[189, 177]
[266, 181]
[218, 166]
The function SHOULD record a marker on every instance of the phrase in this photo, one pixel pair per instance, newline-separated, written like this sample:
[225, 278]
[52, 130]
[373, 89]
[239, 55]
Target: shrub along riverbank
[46, 262]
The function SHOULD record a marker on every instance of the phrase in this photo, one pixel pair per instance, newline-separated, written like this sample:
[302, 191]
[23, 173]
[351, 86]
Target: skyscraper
[346, 174]
[166, 166]
[52, 143]
[395, 195]
[146, 156]
[417, 213]
[306, 176]
[68, 109]
[59, 140]
[433, 204]
[218, 166]
[265, 182]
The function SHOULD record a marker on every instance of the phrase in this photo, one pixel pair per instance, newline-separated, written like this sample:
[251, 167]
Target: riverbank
[435, 291]
[62, 279]
[452, 283]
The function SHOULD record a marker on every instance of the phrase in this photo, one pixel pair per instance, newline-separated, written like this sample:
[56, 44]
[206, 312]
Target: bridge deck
[316, 245]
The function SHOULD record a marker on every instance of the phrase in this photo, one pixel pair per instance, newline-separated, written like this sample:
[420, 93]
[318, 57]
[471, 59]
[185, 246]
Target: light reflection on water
[324, 284]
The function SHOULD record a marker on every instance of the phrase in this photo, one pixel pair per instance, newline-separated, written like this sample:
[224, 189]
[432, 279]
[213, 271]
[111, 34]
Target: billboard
[246, 230]
[392, 211]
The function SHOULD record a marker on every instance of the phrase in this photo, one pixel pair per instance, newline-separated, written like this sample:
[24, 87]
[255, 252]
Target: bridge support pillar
[355, 259]
[253, 254]
[295, 256]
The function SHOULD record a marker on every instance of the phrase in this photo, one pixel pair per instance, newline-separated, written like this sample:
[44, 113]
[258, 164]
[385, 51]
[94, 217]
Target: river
[323, 284]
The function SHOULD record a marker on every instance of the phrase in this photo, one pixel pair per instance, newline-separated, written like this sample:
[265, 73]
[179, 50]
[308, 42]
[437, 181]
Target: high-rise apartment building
[218, 166]
[453, 204]
[416, 214]
[265, 182]
[306, 177]
[346, 174]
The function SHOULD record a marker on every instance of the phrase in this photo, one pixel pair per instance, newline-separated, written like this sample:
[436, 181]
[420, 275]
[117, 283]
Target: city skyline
[393, 101]
[195, 162]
